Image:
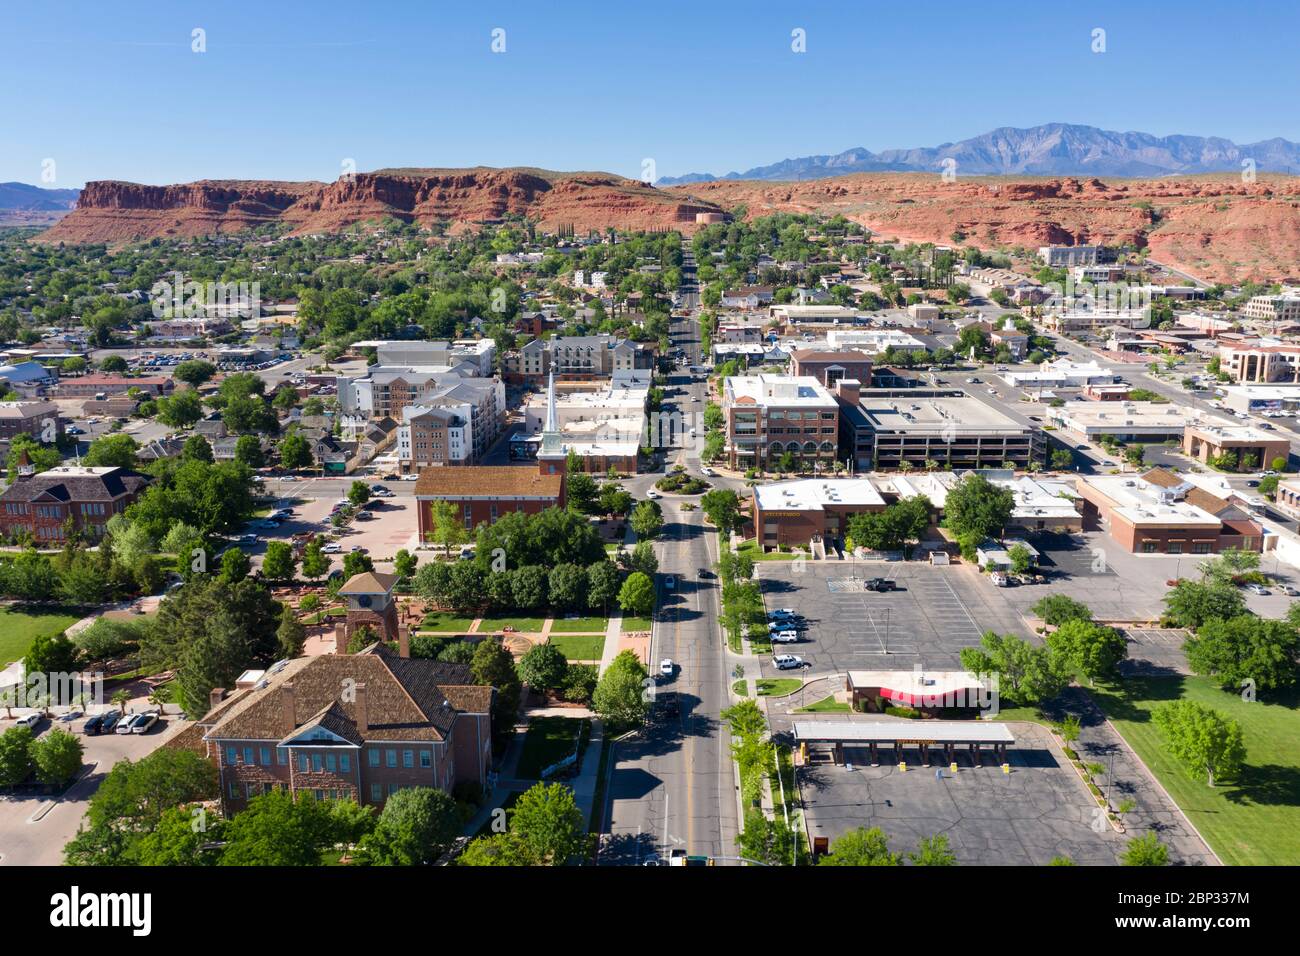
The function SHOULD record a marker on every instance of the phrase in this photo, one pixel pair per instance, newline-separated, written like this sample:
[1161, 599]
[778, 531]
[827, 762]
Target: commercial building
[1160, 513]
[805, 511]
[604, 425]
[183, 330]
[1261, 398]
[1126, 421]
[937, 429]
[28, 379]
[1060, 373]
[584, 358]
[1273, 308]
[769, 416]
[83, 498]
[479, 353]
[829, 367]
[88, 386]
[1260, 360]
[481, 494]
[929, 691]
[358, 727]
[1041, 503]
[1234, 447]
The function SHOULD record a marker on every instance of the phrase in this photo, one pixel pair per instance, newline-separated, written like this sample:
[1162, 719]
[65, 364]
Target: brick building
[482, 493]
[29, 418]
[831, 367]
[43, 504]
[88, 386]
[768, 416]
[358, 727]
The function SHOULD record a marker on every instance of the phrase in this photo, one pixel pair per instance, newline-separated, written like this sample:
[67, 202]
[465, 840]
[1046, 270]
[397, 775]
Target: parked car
[1254, 588]
[75, 713]
[785, 637]
[789, 662]
[1288, 590]
[109, 721]
[708, 472]
[999, 579]
[652, 493]
[92, 724]
[880, 584]
[31, 721]
[410, 478]
[670, 582]
[144, 722]
[332, 548]
[781, 612]
[126, 725]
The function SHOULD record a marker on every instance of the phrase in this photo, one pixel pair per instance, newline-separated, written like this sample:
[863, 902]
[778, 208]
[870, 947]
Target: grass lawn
[827, 705]
[22, 624]
[580, 647]
[579, 625]
[1252, 820]
[442, 622]
[752, 549]
[633, 623]
[549, 739]
[740, 688]
[528, 625]
[777, 686]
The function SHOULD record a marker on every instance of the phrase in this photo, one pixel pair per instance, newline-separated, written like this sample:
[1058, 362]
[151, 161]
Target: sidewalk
[614, 627]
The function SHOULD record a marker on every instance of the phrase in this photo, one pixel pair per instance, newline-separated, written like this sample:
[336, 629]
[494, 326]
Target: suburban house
[349, 726]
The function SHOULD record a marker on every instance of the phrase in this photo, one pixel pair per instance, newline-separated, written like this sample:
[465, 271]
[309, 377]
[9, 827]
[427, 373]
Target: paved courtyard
[1039, 811]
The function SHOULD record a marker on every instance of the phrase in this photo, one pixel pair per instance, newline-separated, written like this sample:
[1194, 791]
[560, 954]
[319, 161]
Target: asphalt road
[673, 784]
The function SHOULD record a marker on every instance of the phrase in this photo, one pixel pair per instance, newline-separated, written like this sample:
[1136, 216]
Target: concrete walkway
[614, 627]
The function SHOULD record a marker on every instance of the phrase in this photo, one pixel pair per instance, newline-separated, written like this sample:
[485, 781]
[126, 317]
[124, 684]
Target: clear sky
[292, 90]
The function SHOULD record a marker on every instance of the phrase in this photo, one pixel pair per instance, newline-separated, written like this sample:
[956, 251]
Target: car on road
[410, 478]
[1257, 588]
[880, 584]
[73, 430]
[789, 662]
[667, 667]
[288, 477]
[332, 548]
[651, 493]
[31, 721]
[249, 538]
[670, 582]
[375, 489]
[1288, 590]
[356, 547]
[708, 472]
[785, 637]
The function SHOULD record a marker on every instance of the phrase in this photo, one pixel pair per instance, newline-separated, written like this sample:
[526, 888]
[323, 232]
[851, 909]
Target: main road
[673, 785]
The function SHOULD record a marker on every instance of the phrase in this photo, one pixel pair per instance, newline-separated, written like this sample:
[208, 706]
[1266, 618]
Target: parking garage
[945, 736]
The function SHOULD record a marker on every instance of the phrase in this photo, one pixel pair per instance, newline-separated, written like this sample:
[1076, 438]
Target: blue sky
[291, 90]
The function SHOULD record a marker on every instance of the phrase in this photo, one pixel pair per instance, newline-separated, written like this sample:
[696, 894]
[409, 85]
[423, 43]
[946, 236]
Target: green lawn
[576, 625]
[1254, 819]
[752, 549]
[632, 623]
[827, 705]
[580, 647]
[549, 739]
[777, 686]
[740, 688]
[19, 627]
[441, 622]
[529, 625]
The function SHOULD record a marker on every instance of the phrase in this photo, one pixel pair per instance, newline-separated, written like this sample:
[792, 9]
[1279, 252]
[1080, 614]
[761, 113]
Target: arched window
[775, 448]
[810, 448]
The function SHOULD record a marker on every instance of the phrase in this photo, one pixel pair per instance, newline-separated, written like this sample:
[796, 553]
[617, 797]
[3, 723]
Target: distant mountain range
[35, 199]
[1054, 149]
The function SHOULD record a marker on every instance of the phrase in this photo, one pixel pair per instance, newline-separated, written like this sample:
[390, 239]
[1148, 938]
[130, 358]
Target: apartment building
[183, 330]
[351, 726]
[30, 418]
[934, 429]
[478, 353]
[584, 358]
[1059, 257]
[452, 425]
[44, 504]
[768, 416]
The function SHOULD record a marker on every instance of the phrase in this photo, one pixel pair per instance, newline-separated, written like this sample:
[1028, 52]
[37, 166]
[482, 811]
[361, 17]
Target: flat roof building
[790, 513]
[770, 416]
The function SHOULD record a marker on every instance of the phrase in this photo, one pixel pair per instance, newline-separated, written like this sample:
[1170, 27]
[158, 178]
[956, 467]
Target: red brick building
[43, 504]
[358, 727]
[483, 493]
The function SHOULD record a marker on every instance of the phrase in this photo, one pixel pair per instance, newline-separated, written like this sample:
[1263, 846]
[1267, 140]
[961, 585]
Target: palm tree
[120, 698]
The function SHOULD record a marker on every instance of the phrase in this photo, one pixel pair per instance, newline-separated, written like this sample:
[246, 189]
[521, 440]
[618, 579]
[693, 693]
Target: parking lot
[34, 827]
[392, 527]
[1038, 811]
[926, 621]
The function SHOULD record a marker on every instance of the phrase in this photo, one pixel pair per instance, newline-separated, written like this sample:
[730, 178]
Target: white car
[789, 662]
[781, 612]
[708, 472]
[667, 667]
[143, 722]
[30, 721]
[653, 494]
[1257, 589]
[332, 548]
[125, 725]
[785, 637]
[410, 478]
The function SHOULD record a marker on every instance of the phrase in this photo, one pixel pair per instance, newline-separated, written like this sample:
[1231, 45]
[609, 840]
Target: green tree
[194, 372]
[1208, 743]
[446, 530]
[50, 654]
[603, 585]
[16, 763]
[647, 520]
[295, 452]
[565, 585]
[548, 823]
[57, 757]
[933, 851]
[277, 830]
[291, 634]
[180, 409]
[42, 457]
[722, 507]
[235, 565]
[1146, 850]
[1056, 609]
[111, 451]
[358, 562]
[278, 563]
[977, 507]
[1244, 648]
[543, 667]
[181, 838]
[248, 451]
[1094, 650]
[197, 448]
[358, 493]
[1192, 603]
[404, 563]
[315, 562]
[861, 847]
[618, 695]
[416, 827]
[637, 595]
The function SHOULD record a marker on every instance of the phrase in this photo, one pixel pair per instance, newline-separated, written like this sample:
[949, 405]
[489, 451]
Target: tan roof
[369, 582]
[485, 480]
[406, 699]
